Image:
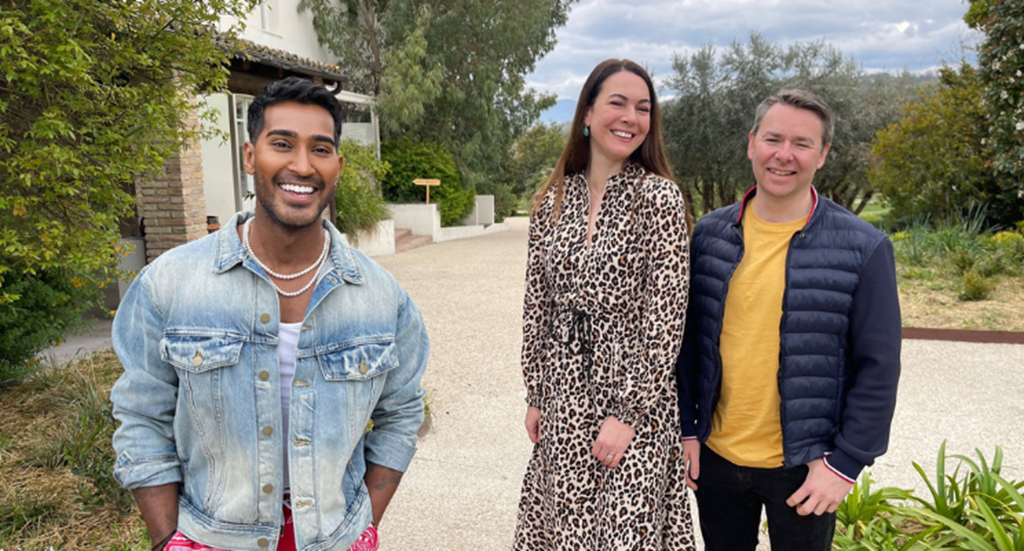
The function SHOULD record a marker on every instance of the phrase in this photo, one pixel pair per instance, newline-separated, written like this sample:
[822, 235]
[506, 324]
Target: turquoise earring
[586, 131]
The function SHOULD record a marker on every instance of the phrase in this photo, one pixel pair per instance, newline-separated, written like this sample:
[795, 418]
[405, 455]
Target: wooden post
[427, 182]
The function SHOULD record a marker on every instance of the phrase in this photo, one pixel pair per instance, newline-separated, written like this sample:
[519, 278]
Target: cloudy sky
[879, 34]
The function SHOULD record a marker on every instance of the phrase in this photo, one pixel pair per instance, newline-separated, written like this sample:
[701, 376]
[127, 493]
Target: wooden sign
[427, 182]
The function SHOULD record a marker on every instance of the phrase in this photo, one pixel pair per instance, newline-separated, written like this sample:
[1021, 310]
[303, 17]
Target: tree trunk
[864, 200]
[707, 196]
[684, 188]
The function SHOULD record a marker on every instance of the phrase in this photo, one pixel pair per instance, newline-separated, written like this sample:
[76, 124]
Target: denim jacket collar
[230, 251]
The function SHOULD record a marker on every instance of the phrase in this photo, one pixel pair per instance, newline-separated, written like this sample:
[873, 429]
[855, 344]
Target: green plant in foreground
[947, 492]
[974, 508]
[862, 507]
[981, 509]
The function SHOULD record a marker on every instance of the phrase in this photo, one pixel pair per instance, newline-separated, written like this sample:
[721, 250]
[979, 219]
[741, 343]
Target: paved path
[462, 489]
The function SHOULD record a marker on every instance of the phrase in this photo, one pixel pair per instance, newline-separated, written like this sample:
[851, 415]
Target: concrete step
[411, 242]
[402, 234]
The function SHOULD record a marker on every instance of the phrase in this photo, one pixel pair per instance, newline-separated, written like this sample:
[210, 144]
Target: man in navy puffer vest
[791, 356]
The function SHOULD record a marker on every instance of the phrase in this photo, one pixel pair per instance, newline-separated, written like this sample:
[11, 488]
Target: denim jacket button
[264, 375]
[362, 367]
[268, 430]
[265, 318]
[267, 488]
[262, 542]
[197, 360]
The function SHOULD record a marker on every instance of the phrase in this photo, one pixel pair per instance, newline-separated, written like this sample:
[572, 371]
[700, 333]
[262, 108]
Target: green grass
[874, 213]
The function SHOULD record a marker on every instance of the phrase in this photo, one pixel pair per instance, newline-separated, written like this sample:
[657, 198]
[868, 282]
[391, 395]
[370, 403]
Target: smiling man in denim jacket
[256, 357]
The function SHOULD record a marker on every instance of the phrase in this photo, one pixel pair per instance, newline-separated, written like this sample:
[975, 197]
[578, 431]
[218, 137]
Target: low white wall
[422, 219]
[458, 232]
[483, 212]
[462, 232]
[425, 219]
[377, 243]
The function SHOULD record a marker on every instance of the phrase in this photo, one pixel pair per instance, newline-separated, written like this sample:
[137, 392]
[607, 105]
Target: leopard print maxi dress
[602, 326]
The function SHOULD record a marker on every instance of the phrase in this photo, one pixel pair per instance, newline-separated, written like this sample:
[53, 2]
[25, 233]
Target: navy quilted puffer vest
[823, 270]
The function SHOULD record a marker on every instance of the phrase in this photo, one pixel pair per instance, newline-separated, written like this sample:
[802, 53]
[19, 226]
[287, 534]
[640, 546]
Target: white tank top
[286, 349]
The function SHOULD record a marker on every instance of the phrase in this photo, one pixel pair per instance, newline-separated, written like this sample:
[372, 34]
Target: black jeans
[730, 498]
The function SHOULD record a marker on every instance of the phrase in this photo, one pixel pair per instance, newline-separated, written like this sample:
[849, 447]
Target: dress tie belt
[580, 340]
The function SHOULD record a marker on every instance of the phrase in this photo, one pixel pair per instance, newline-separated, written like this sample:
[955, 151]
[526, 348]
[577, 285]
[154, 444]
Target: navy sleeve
[688, 363]
[874, 340]
[686, 375]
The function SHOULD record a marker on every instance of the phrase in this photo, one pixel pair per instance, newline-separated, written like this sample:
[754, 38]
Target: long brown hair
[576, 155]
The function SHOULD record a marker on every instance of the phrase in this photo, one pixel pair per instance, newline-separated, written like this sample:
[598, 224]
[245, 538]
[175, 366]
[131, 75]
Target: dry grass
[929, 298]
[55, 460]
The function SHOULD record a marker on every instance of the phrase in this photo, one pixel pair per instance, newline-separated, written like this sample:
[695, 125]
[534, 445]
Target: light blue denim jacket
[200, 402]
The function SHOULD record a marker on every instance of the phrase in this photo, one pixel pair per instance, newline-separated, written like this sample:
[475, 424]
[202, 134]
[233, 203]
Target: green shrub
[47, 306]
[911, 246]
[409, 161]
[963, 260]
[1009, 248]
[358, 200]
[95, 96]
[976, 286]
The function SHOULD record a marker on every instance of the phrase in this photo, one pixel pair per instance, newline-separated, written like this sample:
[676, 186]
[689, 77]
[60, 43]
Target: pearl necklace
[319, 261]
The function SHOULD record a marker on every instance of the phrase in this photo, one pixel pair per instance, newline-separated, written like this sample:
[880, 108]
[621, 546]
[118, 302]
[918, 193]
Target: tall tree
[930, 163]
[701, 155]
[933, 164]
[474, 61]
[534, 156]
[708, 121]
[1001, 70]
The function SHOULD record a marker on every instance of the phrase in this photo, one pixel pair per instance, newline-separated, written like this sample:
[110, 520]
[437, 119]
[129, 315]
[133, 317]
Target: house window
[269, 16]
[244, 182]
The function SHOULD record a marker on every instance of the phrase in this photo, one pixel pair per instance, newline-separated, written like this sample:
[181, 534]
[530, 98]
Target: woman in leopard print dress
[606, 289]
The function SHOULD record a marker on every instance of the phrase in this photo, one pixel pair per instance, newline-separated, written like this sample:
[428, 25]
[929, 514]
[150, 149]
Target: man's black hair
[298, 90]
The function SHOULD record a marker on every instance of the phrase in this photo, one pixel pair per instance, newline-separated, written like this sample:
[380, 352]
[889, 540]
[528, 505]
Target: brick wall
[172, 205]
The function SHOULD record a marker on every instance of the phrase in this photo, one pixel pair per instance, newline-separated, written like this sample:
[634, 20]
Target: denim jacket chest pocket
[203, 362]
[359, 370]
[207, 366]
[197, 353]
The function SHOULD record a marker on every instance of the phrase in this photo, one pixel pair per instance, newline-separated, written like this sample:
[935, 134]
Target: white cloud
[890, 35]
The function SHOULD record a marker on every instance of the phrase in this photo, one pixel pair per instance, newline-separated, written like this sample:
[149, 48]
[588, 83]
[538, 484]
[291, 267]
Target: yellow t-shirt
[746, 428]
